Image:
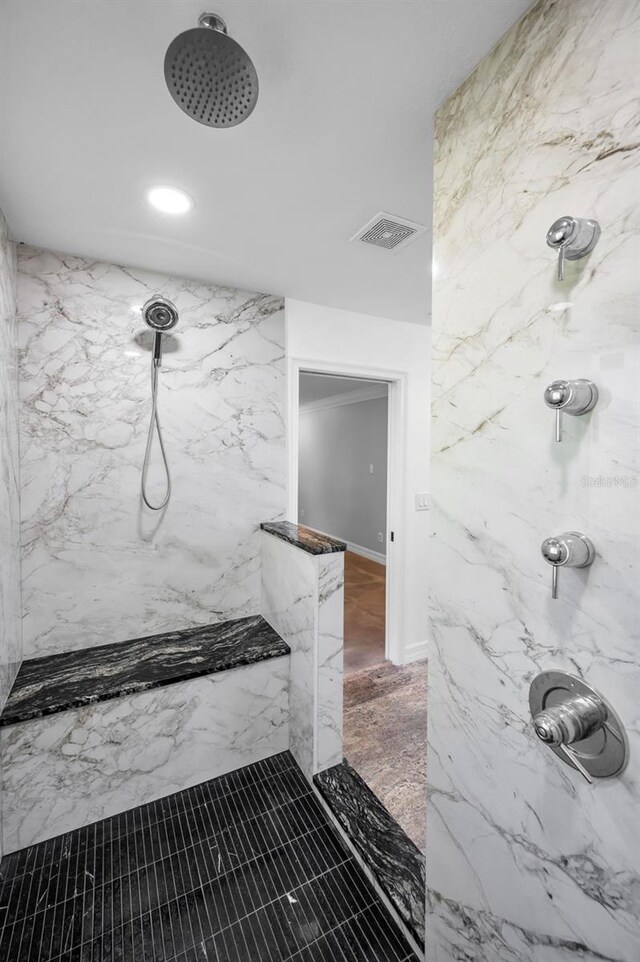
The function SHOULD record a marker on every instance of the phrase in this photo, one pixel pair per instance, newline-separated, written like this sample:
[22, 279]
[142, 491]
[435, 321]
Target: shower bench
[87, 734]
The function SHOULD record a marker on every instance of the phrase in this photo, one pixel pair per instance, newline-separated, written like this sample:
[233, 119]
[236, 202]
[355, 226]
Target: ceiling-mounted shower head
[160, 314]
[210, 76]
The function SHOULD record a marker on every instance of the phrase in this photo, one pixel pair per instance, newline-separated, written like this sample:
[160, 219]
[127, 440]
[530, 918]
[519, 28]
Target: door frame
[396, 470]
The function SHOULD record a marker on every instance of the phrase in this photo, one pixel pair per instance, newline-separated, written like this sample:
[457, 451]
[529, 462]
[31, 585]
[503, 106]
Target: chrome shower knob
[576, 718]
[573, 238]
[570, 550]
[575, 397]
[578, 725]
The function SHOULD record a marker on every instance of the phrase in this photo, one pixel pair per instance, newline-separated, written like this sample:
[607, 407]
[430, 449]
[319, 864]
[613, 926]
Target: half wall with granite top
[303, 599]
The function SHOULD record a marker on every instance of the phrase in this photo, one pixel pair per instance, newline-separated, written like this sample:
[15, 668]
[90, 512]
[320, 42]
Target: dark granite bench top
[71, 679]
[306, 538]
[395, 862]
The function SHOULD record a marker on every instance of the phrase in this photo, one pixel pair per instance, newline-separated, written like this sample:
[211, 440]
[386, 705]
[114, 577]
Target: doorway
[342, 490]
[345, 488]
[347, 434]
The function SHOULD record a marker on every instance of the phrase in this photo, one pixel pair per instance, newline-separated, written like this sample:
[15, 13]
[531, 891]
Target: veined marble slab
[10, 599]
[397, 865]
[329, 660]
[10, 608]
[526, 861]
[315, 542]
[303, 598]
[73, 768]
[45, 686]
[97, 564]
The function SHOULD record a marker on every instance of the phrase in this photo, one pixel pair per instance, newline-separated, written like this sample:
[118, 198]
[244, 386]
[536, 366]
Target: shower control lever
[568, 550]
[572, 238]
[575, 397]
[578, 725]
[572, 720]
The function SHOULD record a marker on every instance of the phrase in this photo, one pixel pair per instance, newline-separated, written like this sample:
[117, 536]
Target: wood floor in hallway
[385, 706]
[364, 612]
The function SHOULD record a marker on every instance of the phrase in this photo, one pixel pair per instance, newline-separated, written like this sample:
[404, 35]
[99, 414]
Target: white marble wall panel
[73, 768]
[10, 606]
[329, 673]
[302, 598]
[97, 565]
[526, 861]
[10, 611]
[289, 605]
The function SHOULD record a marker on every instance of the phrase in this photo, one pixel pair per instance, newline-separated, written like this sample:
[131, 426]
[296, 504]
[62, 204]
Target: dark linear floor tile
[58, 851]
[283, 928]
[220, 787]
[244, 869]
[371, 937]
[160, 879]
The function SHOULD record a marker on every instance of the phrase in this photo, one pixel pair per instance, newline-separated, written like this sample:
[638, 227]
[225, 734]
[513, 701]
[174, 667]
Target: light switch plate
[422, 501]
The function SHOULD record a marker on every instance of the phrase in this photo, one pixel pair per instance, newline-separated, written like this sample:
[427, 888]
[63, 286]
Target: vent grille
[389, 232]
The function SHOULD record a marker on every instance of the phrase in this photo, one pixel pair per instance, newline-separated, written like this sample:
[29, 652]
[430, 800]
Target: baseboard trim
[417, 652]
[367, 553]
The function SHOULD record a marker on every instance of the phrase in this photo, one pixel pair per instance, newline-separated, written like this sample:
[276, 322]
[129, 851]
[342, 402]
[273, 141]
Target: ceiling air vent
[389, 232]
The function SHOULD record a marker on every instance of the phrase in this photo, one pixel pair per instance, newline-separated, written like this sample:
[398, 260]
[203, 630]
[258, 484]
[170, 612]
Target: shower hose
[154, 422]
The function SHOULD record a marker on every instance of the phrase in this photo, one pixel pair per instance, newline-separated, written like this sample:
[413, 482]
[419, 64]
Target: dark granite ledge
[306, 538]
[392, 858]
[72, 679]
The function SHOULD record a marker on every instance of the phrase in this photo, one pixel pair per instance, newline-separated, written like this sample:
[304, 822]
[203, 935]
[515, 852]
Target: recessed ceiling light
[170, 200]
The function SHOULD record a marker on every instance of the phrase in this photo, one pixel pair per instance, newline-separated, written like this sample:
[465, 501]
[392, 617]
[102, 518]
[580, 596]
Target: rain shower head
[160, 314]
[210, 76]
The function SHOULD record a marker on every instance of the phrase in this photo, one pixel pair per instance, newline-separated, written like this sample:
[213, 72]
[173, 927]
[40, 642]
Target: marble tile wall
[10, 636]
[97, 565]
[526, 861]
[330, 647]
[302, 598]
[10, 610]
[81, 765]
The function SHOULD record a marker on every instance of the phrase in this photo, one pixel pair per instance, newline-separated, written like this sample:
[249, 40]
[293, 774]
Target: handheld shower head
[160, 314]
[210, 76]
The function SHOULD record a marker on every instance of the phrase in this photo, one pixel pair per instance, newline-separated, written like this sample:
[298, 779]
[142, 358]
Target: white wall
[337, 493]
[346, 342]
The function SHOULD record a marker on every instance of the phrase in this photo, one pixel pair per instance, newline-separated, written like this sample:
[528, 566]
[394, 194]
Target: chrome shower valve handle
[578, 725]
[573, 238]
[575, 397]
[576, 718]
[570, 550]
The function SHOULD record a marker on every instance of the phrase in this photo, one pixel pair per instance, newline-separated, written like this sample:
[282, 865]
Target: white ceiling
[342, 130]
